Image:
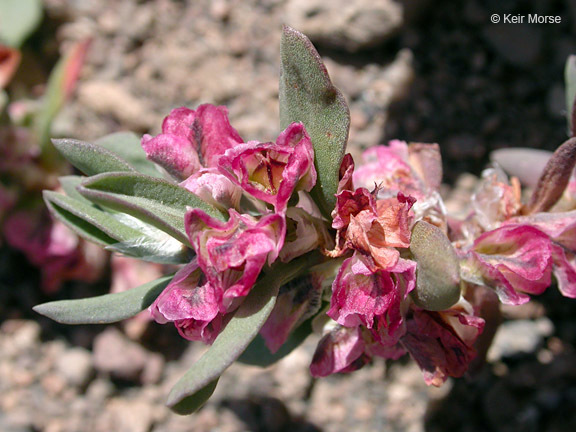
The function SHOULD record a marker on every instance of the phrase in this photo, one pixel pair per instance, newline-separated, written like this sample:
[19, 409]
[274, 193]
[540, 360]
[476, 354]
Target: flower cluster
[288, 237]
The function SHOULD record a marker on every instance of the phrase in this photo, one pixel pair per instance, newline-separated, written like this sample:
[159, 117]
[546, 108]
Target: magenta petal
[231, 254]
[565, 270]
[193, 308]
[520, 255]
[271, 172]
[179, 122]
[360, 294]
[213, 134]
[337, 351]
[173, 153]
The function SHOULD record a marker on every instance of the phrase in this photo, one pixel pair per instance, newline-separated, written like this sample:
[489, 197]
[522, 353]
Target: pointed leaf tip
[307, 95]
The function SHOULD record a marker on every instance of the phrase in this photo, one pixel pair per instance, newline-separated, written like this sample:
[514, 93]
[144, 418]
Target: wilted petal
[494, 200]
[191, 303]
[271, 172]
[338, 351]
[561, 226]
[231, 254]
[442, 343]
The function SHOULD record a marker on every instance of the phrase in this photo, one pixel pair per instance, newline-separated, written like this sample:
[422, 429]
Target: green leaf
[18, 19]
[127, 145]
[104, 309]
[570, 79]
[90, 158]
[70, 186]
[438, 271]
[258, 354]
[155, 201]
[307, 95]
[193, 403]
[240, 331]
[108, 230]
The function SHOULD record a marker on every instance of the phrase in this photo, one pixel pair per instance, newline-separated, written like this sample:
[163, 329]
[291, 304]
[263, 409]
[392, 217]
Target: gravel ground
[438, 71]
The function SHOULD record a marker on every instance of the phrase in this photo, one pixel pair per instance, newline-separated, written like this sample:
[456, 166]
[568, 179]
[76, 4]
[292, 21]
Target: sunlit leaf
[127, 145]
[158, 202]
[438, 271]
[307, 95]
[104, 309]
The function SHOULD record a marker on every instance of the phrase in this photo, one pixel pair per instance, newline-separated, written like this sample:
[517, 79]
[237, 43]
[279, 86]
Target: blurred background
[421, 70]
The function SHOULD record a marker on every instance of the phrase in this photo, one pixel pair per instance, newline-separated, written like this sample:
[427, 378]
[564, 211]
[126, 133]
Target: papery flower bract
[271, 172]
[513, 259]
[231, 254]
[442, 343]
[191, 140]
[192, 304]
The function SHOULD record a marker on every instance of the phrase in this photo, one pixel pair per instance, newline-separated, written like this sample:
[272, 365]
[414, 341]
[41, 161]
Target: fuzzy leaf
[307, 95]
[90, 158]
[128, 147]
[438, 271]
[104, 309]
[18, 19]
[238, 334]
[554, 178]
[193, 403]
[570, 79]
[155, 201]
[103, 228]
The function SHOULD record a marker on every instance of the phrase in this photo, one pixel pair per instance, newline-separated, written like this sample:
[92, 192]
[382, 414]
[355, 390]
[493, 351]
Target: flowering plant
[279, 239]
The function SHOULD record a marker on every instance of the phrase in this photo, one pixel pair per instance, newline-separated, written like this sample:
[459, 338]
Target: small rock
[520, 336]
[75, 365]
[345, 24]
[115, 354]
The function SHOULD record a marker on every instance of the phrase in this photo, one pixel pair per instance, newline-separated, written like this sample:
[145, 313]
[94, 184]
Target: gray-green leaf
[307, 95]
[127, 145]
[104, 309]
[155, 201]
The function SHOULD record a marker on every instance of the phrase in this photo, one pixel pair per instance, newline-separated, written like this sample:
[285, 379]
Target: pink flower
[442, 343]
[360, 294]
[271, 172]
[231, 254]
[374, 227]
[561, 229]
[514, 259]
[192, 303]
[191, 140]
